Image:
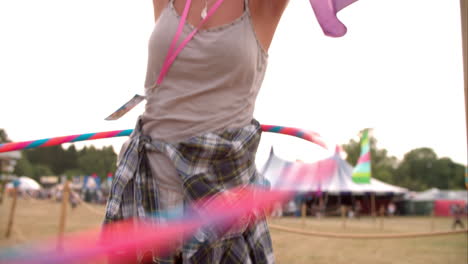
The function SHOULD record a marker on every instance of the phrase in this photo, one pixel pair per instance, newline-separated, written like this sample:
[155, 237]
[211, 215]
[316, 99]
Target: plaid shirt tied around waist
[209, 165]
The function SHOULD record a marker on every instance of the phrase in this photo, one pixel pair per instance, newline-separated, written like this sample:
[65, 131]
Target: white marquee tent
[434, 194]
[25, 184]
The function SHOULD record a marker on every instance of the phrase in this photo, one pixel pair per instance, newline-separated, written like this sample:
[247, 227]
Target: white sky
[66, 65]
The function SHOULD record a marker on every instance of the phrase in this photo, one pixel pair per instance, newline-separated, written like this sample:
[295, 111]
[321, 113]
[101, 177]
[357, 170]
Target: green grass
[36, 221]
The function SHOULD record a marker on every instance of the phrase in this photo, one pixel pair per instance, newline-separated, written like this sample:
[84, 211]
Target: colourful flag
[362, 171]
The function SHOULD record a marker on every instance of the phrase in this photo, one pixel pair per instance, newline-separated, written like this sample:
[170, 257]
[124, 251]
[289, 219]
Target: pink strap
[171, 54]
[180, 27]
[170, 57]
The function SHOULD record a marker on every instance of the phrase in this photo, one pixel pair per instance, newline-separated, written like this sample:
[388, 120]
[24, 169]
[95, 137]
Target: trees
[57, 161]
[3, 136]
[24, 167]
[3, 139]
[53, 157]
[420, 168]
[91, 160]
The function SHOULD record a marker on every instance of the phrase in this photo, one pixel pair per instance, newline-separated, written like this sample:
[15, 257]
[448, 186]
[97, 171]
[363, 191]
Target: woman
[197, 137]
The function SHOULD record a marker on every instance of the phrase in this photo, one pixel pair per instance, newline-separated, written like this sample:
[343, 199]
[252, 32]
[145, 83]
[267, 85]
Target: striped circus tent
[332, 175]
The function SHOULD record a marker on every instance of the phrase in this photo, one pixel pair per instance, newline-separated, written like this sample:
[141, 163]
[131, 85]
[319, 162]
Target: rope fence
[88, 206]
[20, 236]
[365, 236]
[282, 228]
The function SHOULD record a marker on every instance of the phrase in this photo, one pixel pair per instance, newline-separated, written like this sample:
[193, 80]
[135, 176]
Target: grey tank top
[212, 84]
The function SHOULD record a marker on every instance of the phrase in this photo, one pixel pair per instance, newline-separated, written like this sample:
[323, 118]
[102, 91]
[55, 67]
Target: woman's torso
[212, 84]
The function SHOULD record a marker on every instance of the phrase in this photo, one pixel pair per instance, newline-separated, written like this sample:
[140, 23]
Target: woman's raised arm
[266, 15]
[158, 6]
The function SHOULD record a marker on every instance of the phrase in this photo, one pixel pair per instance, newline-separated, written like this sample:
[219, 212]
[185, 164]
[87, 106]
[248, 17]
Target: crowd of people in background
[292, 208]
[356, 210]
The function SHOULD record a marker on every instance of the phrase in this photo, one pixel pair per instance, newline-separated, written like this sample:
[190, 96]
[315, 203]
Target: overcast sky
[66, 65]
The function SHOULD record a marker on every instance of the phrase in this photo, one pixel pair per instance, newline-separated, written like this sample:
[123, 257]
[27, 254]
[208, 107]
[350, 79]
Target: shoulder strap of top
[173, 50]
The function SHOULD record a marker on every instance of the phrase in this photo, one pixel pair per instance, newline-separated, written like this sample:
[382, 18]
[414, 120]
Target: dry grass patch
[36, 221]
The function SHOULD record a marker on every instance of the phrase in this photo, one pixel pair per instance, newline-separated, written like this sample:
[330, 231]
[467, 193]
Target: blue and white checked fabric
[209, 164]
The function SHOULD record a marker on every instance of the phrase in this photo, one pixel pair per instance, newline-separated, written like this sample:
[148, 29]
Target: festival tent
[437, 194]
[92, 182]
[434, 200]
[25, 184]
[331, 175]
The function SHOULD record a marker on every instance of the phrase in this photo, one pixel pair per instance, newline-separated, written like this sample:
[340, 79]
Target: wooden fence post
[63, 215]
[382, 216]
[373, 206]
[343, 216]
[303, 213]
[12, 211]
[2, 191]
[432, 220]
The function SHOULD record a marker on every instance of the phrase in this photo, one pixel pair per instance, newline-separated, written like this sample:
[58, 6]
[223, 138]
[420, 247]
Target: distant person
[391, 209]
[321, 209]
[357, 209]
[457, 217]
[351, 212]
[74, 200]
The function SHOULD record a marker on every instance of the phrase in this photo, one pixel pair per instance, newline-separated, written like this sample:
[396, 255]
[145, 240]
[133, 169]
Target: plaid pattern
[208, 165]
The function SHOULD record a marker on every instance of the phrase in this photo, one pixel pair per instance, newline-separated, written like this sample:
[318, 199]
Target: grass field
[38, 220]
